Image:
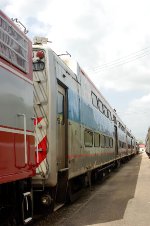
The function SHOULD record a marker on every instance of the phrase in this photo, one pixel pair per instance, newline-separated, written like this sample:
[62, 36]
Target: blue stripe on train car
[87, 115]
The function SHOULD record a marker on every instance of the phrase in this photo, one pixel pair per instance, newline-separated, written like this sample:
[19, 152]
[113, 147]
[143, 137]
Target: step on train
[57, 131]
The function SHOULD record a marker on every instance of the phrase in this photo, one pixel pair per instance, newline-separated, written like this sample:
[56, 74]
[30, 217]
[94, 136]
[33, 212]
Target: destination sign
[13, 45]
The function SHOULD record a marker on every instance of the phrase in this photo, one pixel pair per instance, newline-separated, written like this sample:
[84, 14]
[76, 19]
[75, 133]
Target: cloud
[135, 76]
[94, 33]
[137, 116]
[29, 15]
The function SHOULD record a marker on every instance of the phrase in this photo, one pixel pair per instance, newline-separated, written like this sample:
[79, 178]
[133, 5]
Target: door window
[60, 108]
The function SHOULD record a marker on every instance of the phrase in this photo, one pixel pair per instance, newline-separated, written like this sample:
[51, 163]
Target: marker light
[40, 54]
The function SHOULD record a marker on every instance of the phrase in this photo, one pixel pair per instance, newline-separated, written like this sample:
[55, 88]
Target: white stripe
[15, 72]
[15, 131]
[40, 135]
[41, 132]
[42, 168]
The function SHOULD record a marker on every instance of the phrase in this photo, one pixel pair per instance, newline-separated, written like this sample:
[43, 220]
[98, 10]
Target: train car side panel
[17, 161]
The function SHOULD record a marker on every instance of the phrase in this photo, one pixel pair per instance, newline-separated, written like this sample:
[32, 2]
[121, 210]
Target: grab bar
[25, 136]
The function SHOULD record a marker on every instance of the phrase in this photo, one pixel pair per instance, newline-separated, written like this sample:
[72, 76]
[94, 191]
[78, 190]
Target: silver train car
[78, 134]
[147, 143]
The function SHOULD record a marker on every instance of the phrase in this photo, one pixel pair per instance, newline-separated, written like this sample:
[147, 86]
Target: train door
[116, 140]
[61, 127]
[62, 177]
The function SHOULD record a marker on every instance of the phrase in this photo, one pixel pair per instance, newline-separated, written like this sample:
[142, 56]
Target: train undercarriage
[16, 203]
[48, 200]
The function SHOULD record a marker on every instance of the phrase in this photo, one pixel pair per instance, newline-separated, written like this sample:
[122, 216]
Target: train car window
[128, 134]
[102, 141]
[88, 138]
[110, 142]
[114, 119]
[105, 110]
[94, 100]
[96, 139]
[100, 105]
[60, 108]
[109, 114]
[123, 129]
[107, 142]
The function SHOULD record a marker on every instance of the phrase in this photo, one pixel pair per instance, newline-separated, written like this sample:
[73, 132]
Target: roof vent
[40, 40]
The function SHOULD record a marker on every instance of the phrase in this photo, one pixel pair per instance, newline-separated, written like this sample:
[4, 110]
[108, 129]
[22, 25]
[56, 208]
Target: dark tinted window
[94, 100]
[88, 138]
[96, 139]
[107, 142]
[102, 141]
[100, 105]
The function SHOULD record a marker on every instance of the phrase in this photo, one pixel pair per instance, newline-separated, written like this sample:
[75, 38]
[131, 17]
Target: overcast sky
[109, 38]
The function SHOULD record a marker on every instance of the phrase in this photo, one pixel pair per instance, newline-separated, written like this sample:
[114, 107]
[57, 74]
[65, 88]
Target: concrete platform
[137, 212]
[122, 199]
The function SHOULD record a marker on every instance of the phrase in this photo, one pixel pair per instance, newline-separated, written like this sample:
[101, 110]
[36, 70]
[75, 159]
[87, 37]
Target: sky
[110, 39]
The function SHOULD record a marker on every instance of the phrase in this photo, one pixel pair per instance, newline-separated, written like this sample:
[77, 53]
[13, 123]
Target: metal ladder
[40, 109]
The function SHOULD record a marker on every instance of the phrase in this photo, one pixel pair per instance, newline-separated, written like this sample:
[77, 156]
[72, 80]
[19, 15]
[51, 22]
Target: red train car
[17, 154]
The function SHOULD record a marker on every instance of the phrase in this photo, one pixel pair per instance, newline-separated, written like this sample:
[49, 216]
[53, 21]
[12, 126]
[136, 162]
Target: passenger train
[57, 131]
[147, 143]
[78, 134]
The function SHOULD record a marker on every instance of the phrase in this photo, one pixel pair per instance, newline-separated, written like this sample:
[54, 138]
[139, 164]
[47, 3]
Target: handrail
[25, 137]
[36, 139]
